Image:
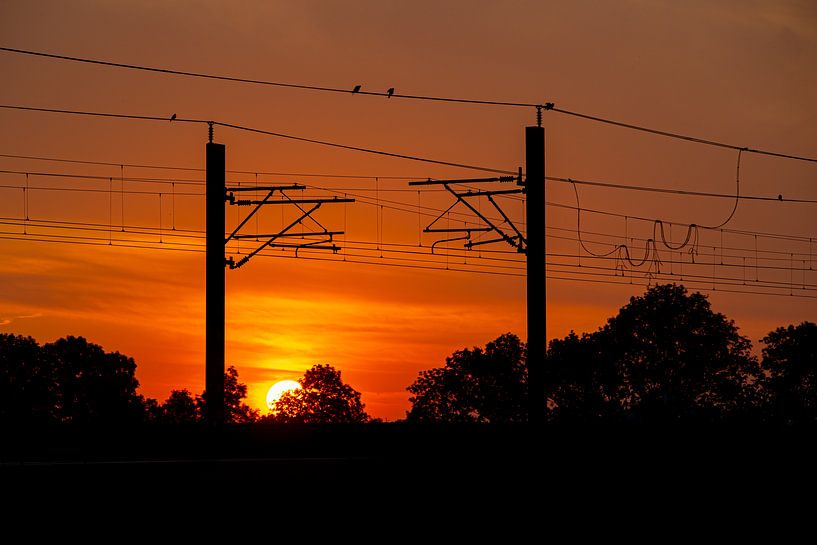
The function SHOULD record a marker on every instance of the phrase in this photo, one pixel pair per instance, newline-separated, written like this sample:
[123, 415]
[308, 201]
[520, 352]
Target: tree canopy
[93, 386]
[475, 385]
[28, 390]
[69, 380]
[322, 399]
[180, 407]
[665, 355]
[790, 373]
[74, 381]
[235, 410]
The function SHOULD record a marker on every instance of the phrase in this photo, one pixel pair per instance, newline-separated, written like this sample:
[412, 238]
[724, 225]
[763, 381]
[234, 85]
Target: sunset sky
[735, 72]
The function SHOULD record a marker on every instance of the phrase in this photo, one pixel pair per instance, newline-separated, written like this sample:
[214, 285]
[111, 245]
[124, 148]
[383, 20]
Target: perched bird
[356, 89]
[172, 117]
[780, 197]
[390, 92]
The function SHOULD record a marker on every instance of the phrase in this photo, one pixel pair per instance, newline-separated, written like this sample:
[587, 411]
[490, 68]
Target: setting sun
[277, 390]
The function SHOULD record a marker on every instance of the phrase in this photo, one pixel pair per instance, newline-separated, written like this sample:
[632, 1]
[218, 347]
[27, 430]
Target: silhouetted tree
[152, 409]
[28, 391]
[581, 384]
[790, 373]
[475, 385]
[93, 386]
[665, 356]
[180, 408]
[235, 410]
[322, 399]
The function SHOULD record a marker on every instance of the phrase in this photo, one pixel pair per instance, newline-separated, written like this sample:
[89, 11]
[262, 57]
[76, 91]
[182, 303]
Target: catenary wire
[547, 106]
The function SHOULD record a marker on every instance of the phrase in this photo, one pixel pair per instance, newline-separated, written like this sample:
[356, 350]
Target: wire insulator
[538, 116]
[210, 131]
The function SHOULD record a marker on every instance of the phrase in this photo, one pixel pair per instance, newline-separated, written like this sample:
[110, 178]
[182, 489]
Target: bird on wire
[390, 92]
[356, 89]
[172, 117]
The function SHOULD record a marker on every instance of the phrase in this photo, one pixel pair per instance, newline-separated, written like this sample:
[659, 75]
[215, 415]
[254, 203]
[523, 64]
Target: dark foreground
[583, 470]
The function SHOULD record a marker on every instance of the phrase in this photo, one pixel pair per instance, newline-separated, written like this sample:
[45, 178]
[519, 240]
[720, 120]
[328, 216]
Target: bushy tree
[93, 386]
[475, 385]
[28, 391]
[581, 384]
[322, 399]
[74, 381]
[666, 356]
[235, 392]
[180, 408]
[235, 410]
[790, 373]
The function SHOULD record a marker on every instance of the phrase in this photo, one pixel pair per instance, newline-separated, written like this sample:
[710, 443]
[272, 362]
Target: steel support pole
[214, 355]
[536, 296]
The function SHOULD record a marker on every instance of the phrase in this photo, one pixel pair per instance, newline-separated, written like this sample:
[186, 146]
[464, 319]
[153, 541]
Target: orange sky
[742, 74]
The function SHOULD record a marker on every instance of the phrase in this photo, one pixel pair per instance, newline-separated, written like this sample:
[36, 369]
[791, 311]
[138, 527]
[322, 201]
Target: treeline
[665, 357]
[74, 381]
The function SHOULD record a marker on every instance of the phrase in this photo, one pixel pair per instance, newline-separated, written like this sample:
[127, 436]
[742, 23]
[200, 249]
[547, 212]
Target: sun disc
[277, 390]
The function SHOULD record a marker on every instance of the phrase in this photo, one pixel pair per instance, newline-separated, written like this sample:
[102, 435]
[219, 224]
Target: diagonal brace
[251, 214]
[272, 239]
[507, 238]
[507, 219]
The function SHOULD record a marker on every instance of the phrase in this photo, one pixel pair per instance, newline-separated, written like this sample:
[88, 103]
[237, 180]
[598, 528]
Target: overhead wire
[605, 278]
[539, 106]
[199, 169]
[265, 132]
[390, 204]
[561, 179]
[460, 253]
[381, 152]
[265, 82]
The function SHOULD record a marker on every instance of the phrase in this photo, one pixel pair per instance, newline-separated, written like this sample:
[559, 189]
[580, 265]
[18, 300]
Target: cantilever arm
[251, 214]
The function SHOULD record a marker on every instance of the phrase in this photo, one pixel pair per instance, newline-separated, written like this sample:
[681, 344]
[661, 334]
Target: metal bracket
[326, 236]
[516, 240]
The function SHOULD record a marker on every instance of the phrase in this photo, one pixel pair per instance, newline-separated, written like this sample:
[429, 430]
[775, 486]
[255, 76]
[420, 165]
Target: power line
[399, 206]
[539, 106]
[604, 280]
[100, 114]
[682, 136]
[766, 234]
[449, 251]
[691, 228]
[195, 169]
[650, 189]
[268, 133]
[106, 191]
[182, 181]
[428, 214]
[388, 247]
[361, 149]
[560, 179]
[267, 82]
